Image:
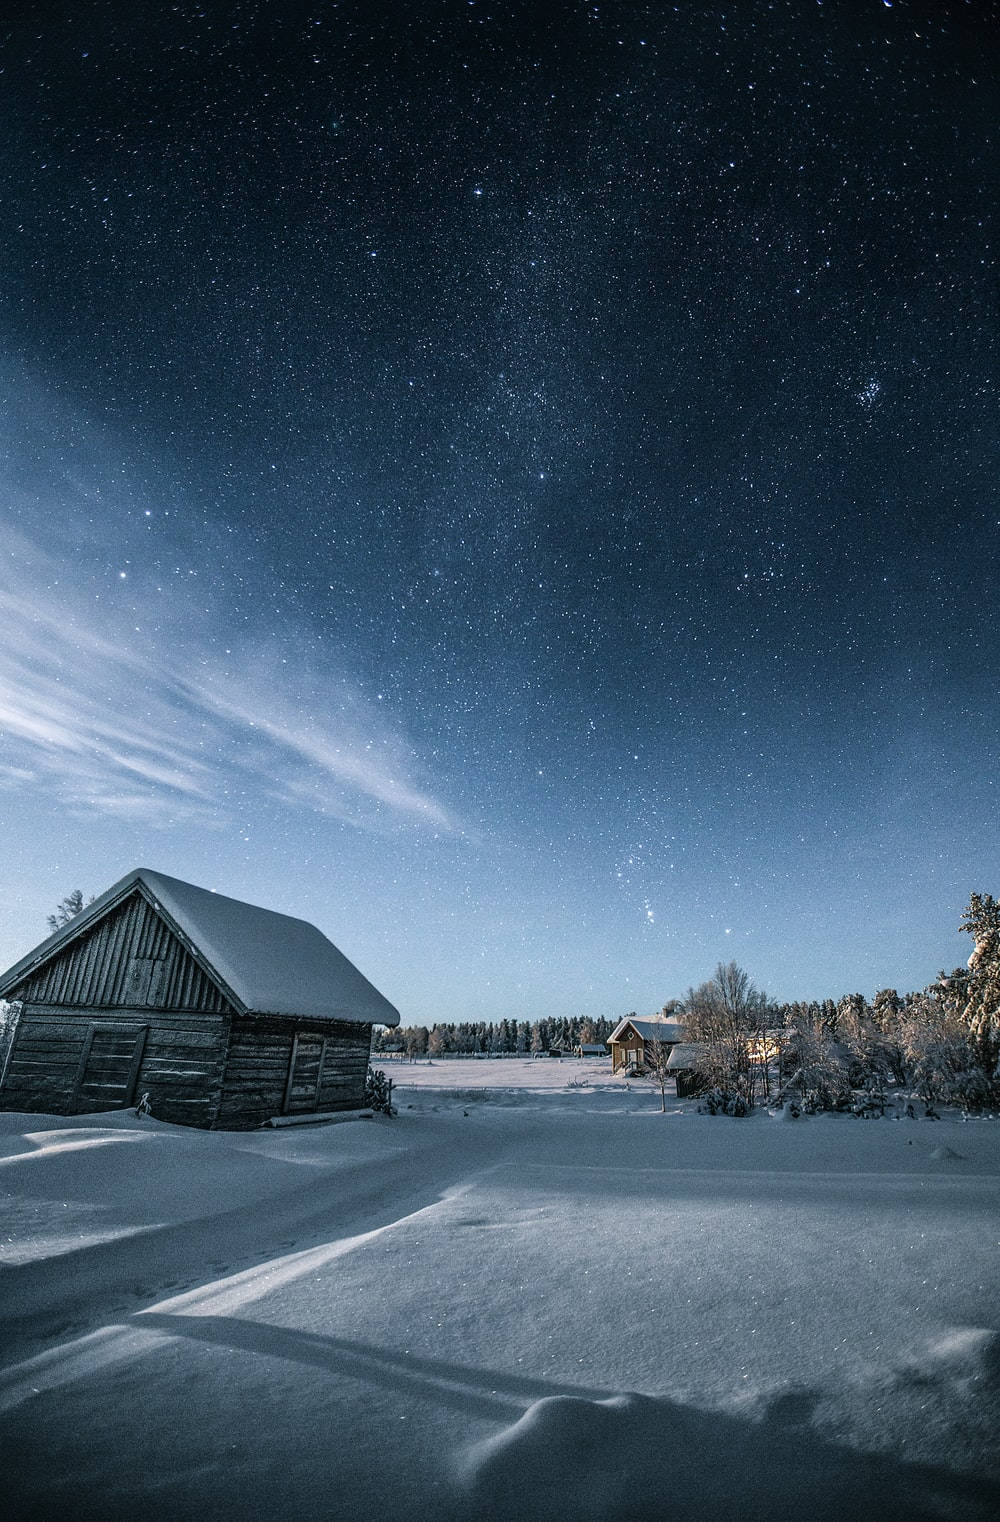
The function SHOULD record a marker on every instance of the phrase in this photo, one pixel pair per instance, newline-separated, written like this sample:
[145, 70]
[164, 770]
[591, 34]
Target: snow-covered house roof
[265, 962]
[650, 1028]
[684, 1055]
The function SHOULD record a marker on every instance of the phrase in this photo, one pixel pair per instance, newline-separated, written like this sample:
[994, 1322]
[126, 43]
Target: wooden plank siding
[330, 1066]
[55, 1068]
[130, 957]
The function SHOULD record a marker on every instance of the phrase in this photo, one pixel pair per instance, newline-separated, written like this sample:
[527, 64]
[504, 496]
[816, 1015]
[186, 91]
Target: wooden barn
[226, 1015]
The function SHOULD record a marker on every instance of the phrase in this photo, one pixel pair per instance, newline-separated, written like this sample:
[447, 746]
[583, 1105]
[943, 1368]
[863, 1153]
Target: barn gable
[126, 955]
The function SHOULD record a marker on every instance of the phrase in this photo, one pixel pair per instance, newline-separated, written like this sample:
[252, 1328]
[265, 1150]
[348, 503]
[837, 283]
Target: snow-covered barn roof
[650, 1028]
[268, 963]
[685, 1055]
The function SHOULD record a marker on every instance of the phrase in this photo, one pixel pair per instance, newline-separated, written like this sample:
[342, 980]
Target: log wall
[331, 1063]
[72, 1061]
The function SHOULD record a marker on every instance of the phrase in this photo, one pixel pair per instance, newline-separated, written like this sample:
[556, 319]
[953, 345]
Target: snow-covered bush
[817, 1065]
[723, 1102]
[868, 1106]
[378, 1092]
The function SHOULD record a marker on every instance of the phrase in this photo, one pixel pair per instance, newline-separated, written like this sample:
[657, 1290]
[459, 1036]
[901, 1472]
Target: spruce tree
[981, 1008]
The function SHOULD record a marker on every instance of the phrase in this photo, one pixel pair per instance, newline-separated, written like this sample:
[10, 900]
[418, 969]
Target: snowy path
[561, 1306]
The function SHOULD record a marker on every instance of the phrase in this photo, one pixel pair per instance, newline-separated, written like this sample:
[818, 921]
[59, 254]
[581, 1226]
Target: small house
[629, 1038]
[224, 1014]
[590, 1049]
[682, 1065]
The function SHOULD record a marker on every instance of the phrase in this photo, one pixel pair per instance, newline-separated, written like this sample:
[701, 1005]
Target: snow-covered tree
[981, 1008]
[728, 1018]
[816, 1064]
[941, 1056]
[415, 1041]
[437, 1041]
[869, 1033]
[9, 1013]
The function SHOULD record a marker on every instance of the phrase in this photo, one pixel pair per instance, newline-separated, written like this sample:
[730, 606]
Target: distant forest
[521, 1037]
[505, 1038]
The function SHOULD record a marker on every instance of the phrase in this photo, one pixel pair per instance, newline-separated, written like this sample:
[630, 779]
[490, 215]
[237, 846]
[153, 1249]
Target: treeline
[836, 1054]
[503, 1038]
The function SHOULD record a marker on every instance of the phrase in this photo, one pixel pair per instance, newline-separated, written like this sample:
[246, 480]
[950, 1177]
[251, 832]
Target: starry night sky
[514, 484]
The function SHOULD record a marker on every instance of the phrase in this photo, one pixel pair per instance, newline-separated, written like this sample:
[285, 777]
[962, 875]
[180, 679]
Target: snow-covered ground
[530, 1295]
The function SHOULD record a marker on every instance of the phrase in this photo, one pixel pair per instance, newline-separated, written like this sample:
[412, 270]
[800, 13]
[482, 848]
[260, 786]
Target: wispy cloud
[360, 755]
[128, 704]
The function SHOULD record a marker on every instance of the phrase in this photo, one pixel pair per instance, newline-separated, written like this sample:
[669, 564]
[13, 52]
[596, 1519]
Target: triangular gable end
[262, 962]
[121, 950]
[621, 1031]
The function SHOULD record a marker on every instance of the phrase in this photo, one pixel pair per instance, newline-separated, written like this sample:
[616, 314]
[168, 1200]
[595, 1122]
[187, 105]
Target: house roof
[268, 963]
[685, 1055]
[650, 1028]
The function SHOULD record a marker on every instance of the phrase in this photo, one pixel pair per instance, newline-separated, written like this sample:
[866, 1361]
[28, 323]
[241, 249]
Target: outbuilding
[682, 1065]
[224, 1014]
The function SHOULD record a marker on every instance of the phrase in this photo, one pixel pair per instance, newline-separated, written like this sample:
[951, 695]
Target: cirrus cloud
[129, 704]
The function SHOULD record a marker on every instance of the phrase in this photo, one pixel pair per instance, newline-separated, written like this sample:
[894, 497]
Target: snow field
[542, 1303]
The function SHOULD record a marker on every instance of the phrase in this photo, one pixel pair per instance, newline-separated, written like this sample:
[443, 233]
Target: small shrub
[378, 1092]
[722, 1102]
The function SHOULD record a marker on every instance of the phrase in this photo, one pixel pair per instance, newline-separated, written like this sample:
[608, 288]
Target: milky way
[512, 484]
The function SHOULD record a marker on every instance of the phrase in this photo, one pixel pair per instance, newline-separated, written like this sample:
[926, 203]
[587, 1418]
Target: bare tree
[728, 1018]
[656, 1054]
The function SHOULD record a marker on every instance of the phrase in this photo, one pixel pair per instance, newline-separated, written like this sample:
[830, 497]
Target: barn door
[109, 1067]
[305, 1073]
